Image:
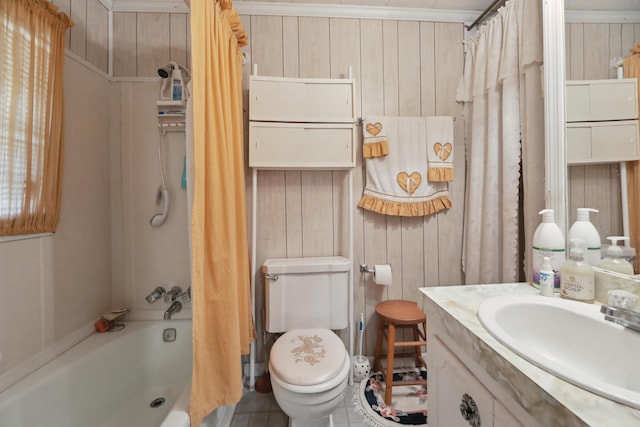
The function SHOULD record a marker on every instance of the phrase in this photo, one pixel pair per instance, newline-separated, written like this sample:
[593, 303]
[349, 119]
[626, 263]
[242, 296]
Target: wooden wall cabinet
[602, 121]
[301, 123]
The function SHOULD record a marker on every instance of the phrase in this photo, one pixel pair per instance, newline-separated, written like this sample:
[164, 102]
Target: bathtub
[130, 378]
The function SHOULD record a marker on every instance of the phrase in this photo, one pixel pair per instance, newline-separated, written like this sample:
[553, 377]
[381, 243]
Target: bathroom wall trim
[601, 17]
[24, 369]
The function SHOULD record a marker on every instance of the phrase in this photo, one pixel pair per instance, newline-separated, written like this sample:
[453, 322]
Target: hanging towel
[440, 148]
[374, 139]
[397, 183]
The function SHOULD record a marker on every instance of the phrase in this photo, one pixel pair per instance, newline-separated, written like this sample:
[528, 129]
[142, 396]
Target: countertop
[548, 399]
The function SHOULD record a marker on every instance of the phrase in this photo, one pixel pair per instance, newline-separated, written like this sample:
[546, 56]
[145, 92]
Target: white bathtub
[111, 379]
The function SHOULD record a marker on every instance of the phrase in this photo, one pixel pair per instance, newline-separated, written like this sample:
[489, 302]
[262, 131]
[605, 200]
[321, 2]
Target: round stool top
[398, 311]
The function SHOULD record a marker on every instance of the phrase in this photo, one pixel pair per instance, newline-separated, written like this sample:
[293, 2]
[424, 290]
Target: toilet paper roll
[382, 274]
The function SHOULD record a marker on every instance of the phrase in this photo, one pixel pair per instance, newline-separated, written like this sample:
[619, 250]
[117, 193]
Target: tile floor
[261, 410]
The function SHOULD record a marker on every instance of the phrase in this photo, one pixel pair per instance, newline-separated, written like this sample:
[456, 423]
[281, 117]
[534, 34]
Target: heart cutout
[442, 151]
[409, 183]
[374, 129]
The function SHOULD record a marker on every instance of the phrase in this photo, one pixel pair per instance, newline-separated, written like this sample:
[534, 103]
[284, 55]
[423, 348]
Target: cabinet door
[596, 100]
[456, 397]
[296, 100]
[602, 142]
[301, 146]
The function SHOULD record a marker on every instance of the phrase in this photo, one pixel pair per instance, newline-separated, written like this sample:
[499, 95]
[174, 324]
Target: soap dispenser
[584, 230]
[577, 281]
[608, 279]
[614, 260]
[548, 241]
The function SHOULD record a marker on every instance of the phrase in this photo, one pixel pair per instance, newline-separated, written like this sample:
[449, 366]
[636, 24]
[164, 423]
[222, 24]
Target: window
[31, 65]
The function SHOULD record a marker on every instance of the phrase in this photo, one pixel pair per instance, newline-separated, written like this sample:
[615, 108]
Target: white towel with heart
[440, 148]
[396, 183]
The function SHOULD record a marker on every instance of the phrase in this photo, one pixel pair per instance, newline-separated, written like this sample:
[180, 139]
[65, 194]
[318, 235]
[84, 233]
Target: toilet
[306, 299]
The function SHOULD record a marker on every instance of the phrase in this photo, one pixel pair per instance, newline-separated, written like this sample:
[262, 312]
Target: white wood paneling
[98, 35]
[401, 68]
[78, 33]
[124, 44]
[153, 41]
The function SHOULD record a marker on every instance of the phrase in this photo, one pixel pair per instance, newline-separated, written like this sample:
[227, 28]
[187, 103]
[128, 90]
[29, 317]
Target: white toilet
[307, 298]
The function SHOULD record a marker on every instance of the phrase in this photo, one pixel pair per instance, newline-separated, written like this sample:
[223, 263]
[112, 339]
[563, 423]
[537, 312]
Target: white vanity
[474, 380]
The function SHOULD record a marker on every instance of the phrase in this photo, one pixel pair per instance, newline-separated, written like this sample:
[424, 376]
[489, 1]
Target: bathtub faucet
[157, 293]
[173, 309]
[174, 293]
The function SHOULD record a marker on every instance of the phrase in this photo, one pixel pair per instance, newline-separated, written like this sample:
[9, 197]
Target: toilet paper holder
[364, 268]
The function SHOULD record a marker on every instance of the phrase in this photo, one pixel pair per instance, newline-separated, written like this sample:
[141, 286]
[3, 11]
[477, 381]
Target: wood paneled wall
[401, 68]
[589, 51]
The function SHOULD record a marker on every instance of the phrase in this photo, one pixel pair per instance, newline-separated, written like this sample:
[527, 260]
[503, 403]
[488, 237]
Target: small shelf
[171, 115]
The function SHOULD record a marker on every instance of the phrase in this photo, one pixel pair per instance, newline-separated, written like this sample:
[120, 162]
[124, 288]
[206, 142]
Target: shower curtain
[220, 271]
[504, 131]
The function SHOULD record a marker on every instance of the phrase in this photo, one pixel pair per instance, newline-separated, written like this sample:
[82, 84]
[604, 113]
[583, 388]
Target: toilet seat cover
[307, 356]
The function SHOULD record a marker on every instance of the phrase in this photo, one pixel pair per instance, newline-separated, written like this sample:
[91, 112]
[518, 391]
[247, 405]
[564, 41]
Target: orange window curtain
[222, 324]
[631, 66]
[31, 113]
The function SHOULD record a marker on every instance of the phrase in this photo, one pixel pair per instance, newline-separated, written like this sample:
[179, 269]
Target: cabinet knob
[469, 410]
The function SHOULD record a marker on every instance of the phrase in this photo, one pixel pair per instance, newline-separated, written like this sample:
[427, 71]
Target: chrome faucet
[620, 309]
[174, 293]
[157, 293]
[622, 316]
[173, 309]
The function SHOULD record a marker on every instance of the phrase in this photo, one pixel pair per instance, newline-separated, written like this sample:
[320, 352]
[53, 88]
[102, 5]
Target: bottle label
[577, 287]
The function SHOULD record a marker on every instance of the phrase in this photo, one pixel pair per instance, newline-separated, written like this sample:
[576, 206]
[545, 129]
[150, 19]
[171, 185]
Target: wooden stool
[396, 314]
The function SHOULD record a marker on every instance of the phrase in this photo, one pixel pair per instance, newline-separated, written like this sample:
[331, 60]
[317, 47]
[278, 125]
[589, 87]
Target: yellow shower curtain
[222, 323]
[631, 67]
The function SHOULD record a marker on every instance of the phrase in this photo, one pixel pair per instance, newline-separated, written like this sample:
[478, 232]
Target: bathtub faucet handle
[157, 293]
[174, 293]
[186, 295]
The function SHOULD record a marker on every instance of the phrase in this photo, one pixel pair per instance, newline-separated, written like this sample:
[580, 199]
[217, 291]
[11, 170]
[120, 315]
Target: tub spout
[173, 309]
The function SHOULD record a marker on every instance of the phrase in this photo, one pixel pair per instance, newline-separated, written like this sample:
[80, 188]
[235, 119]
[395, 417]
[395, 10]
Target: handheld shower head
[166, 70]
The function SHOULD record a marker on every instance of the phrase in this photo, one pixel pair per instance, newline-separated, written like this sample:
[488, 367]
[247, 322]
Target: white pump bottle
[584, 230]
[548, 241]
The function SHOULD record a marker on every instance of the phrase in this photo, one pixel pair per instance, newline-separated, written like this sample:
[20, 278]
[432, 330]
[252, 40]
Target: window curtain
[222, 324]
[631, 67]
[504, 135]
[31, 115]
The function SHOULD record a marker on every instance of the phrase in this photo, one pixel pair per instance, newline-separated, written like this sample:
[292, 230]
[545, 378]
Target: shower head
[166, 70]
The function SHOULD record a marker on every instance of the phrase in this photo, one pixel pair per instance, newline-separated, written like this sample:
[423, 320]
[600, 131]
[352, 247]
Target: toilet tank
[306, 293]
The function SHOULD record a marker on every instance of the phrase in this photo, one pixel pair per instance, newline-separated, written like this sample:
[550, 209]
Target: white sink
[570, 340]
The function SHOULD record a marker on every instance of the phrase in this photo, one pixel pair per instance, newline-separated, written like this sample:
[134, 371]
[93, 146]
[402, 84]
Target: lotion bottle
[576, 275]
[548, 241]
[614, 260]
[584, 230]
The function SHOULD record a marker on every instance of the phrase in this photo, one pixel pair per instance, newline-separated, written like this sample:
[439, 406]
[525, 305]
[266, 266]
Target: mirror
[589, 50]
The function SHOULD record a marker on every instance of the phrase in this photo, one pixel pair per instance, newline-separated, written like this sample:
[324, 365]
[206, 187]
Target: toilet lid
[307, 356]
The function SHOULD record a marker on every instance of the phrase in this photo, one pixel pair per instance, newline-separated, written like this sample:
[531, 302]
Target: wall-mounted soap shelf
[171, 115]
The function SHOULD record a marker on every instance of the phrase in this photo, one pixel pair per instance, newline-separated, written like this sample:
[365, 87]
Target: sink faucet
[620, 309]
[174, 293]
[173, 309]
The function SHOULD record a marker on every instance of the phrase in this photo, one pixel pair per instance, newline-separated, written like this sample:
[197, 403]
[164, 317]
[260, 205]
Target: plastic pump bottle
[584, 230]
[547, 278]
[577, 281]
[613, 263]
[548, 241]
[614, 260]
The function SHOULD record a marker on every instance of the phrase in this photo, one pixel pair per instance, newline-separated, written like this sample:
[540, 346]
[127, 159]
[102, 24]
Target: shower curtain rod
[492, 8]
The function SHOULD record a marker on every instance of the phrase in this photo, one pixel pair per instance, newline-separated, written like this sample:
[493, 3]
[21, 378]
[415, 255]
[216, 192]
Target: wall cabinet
[457, 398]
[602, 121]
[301, 123]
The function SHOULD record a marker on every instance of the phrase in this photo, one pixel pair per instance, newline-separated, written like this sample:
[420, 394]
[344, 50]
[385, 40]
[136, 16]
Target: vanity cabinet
[457, 398]
[602, 121]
